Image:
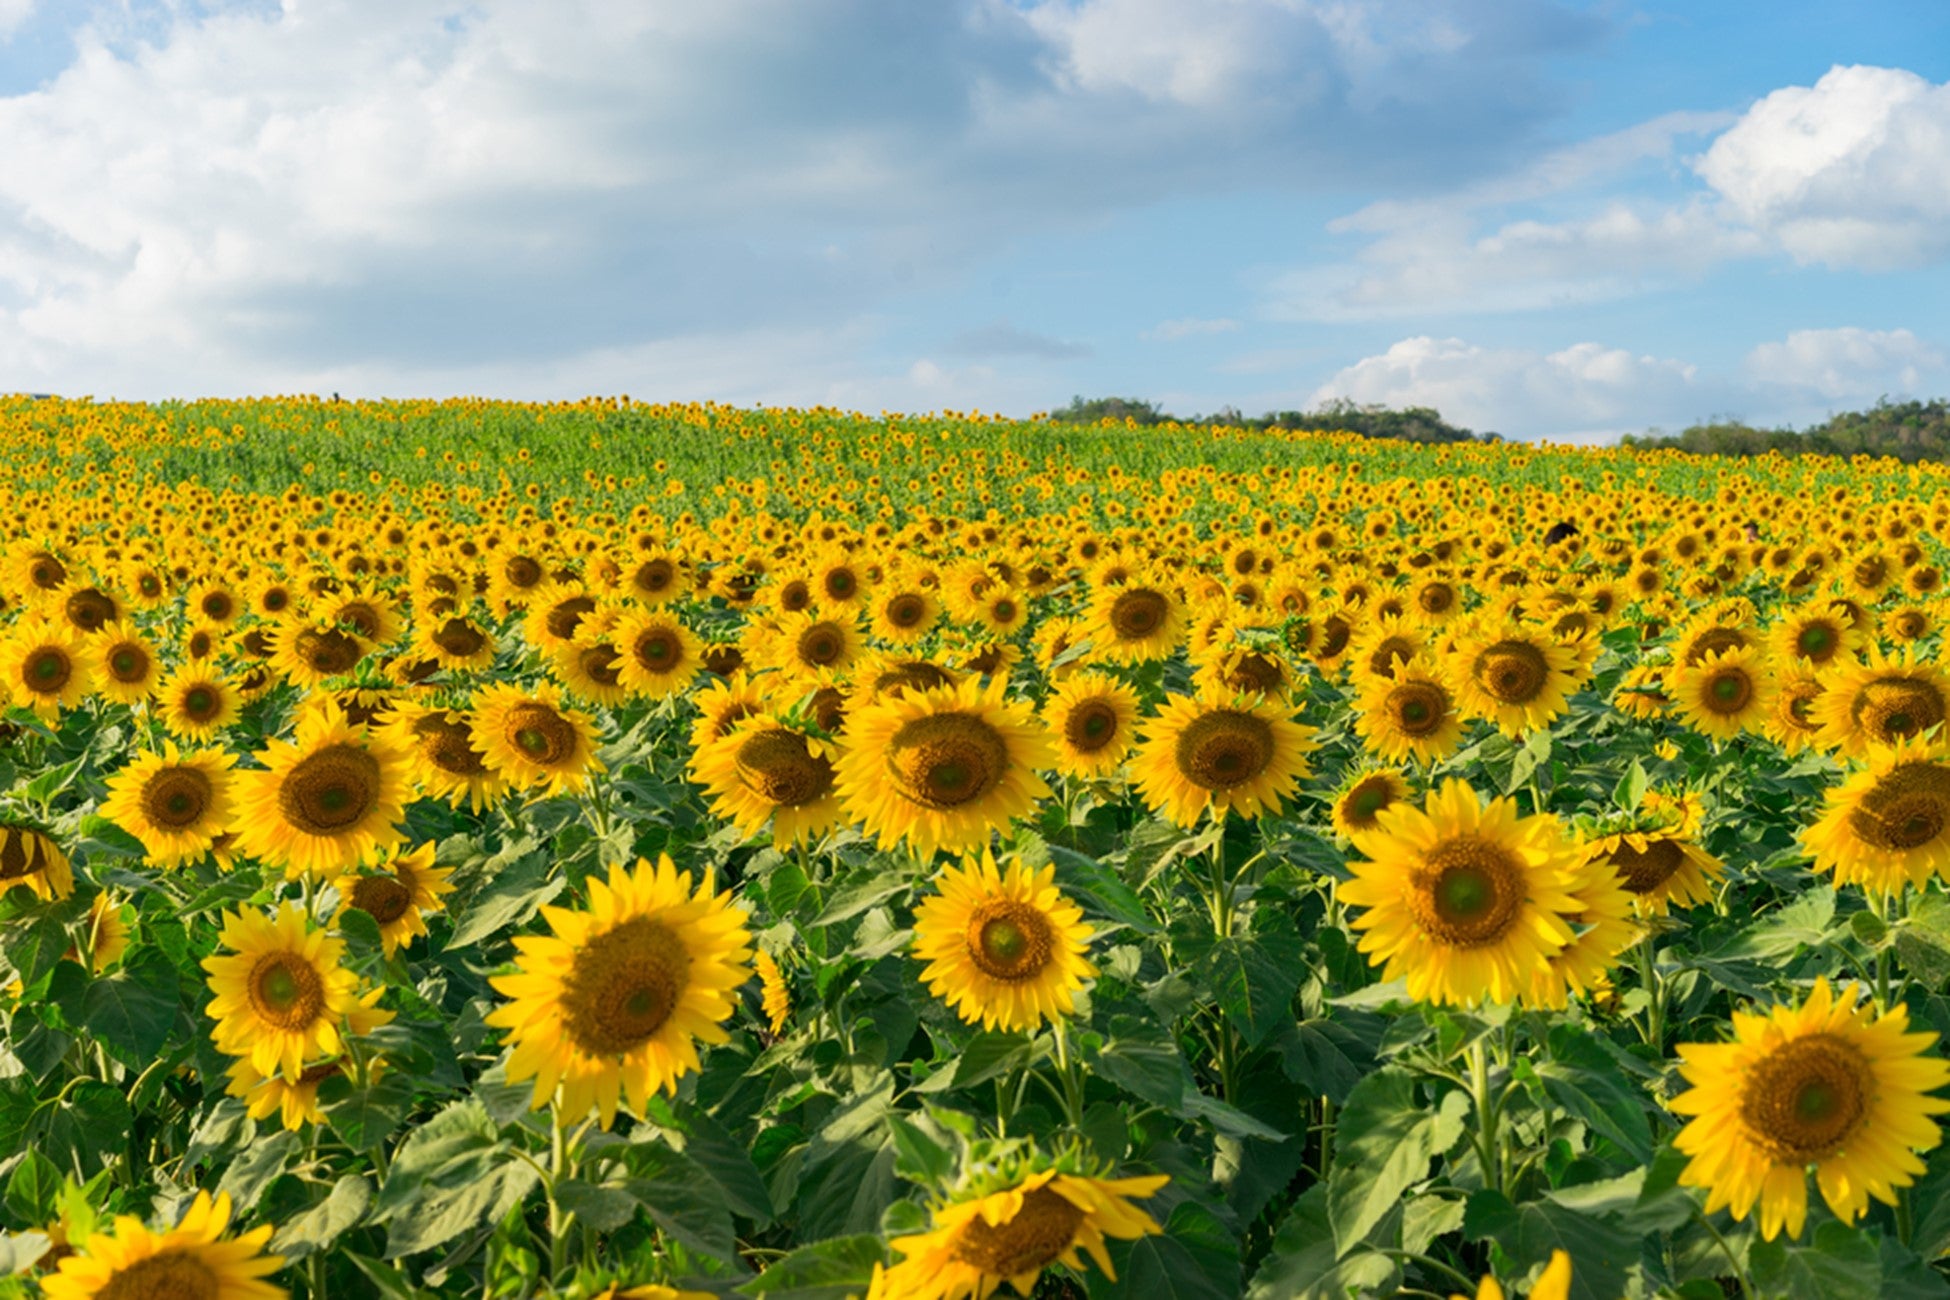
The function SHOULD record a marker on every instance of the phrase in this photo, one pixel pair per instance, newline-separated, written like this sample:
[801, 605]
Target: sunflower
[591, 669]
[1880, 701]
[457, 643]
[1792, 723]
[212, 602]
[1014, 1232]
[84, 607]
[1554, 1283]
[108, 934]
[175, 803]
[724, 704]
[656, 578]
[1409, 713]
[125, 664]
[1467, 901]
[614, 1003]
[556, 611]
[762, 769]
[1725, 693]
[807, 644]
[441, 754]
[1641, 692]
[943, 768]
[311, 654]
[1815, 634]
[44, 667]
[1601, 927]
[1829, 1084]
[1907, 624]
[529, 740]
[1889, 824]
[1710, 634]
[1004, 947]
[1362, 798]
[295, 1102]
[903, 615]
[1218, 752]
[774, 994]
[659, 655]
[30, 856]
[880, 674]
[281, 996]
[1135, 622]
[1381, 644]
[189, 1260]
[1658, 866]
[333, 797]
[1243, 670]
[1514, 677]
[196, 702]
[397, 892]
[1091, 717]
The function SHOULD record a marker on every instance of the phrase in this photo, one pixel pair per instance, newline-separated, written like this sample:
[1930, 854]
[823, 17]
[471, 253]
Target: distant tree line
[1909, 431]
[1413, 424]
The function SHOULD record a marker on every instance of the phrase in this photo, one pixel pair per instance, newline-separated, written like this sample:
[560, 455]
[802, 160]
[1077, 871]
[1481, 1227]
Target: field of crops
[604, 850]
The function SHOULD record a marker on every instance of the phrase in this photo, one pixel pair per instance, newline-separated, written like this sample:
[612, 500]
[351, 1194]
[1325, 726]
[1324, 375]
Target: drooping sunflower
[441, 755]
[191, 1260]
[1468, 901]
[529, 739]
[1221, 753]
[1092, 718]
[30, 856]
[1881, 700]
[1364, 796]
[1516, 677]
[310, 654]
[295, 1103]
[1008, 1232]
[175, 803]
[1601, 928]
[615, 1001]
[659, 655]
[762, 769]
[1889, 824]
[126, 667]
[332, 797]
[943, 768]
[774, 994]
[1659, 865]
[1828, 1084]
[196, 702]
[456, 643]
[1409, 713]
[397, 892]
[1004, 947]
[1135, 622]
[107, 935]
[282, 996]
[45, 667]
[1725, 693]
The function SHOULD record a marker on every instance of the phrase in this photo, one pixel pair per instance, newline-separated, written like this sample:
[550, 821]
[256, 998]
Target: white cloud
[13, 14]
[1852, 171]
[1851, 363]
[1186, 327]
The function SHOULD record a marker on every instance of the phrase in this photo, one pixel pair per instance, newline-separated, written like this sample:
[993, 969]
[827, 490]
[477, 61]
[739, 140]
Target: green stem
[561, 1166]
[1326, 1135]
[1221, 883]
[1739, 1271]
[1655, 990]
[1488, 1149]
[1881, 903]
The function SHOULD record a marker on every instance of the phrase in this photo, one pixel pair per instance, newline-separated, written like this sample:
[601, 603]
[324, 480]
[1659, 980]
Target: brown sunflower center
[328, 650]
[1727, 691]
[1009, 940]
[1335, 633]
[1255, 674]
[821, 645]
[1090, 726]
[777, 766]
[1468, 892]
[1713, 641]
[624, 984]
[1910, 624]
[176, 797]
[46, 572]
[565, 616]
[840, 584]
[522, 571]
[448, 745]
[330, 790]
[170, 1275]
[1818, 641]
[542, 736]
[654, 577]
[1364, 802]
[1513, 672]
[48, 669]
[1894, 707]
[1643, 870]
[914, 675]
[1042, 1229]
[658, 649]
[795, 596]
[384, 898]
[1908, 808]
[1797, 703]
[285, 990]
[1138, 613]
[947, 760]
[906, 610]
[1417, 708]
[127, 662]
[1804, 1100]
[23, 851]
[1381, 660]
[1224, 748]
[599, 663]
[460, 638]
[90, 608]
[1435, 597]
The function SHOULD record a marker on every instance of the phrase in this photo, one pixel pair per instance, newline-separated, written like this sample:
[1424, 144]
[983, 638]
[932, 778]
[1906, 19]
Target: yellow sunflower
[1468, 901]
[1553, 1284]
[175, 803]
[1004, 947]
[1641, 692]
[310, 654]
[332, 797]
[1516, 678]
[1880, 700]
[1220, 753]
[441, 755]
[1829, 1084]
[1363, 796]
[30, 856]
[295, 1103]
[126, 667]
[1135, 622]
[807, 644]
[943, 768]
[591, 669]
[529, 740]
[1725, 693]
[1889, 824]
[763, 769]
[1408, 713]
[45, 667]
[1092, 718]
[107, 936]
[1658, 867]
[457, 643]
[903, 615]
[1602, 927]
[614, 1003]
[659, 655]
[397, 892]
[980, 1241]
[1815, 634]
[774, 994]
[1792, 723]
[196, 702]
[281, 996]
[190, 1260]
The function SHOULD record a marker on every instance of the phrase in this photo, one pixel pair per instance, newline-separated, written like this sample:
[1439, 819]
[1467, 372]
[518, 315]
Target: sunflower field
[597, 849]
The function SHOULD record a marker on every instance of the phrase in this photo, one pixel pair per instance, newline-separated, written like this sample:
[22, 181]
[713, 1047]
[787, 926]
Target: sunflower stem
[1488, 1150]
[1655, 1007]
[1739, 1270]
[561, 1166]
[1881, 903]
[1221, 883]
[1904, 1226]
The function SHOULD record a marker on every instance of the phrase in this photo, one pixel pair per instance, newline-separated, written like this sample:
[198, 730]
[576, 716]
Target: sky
[1552, 220]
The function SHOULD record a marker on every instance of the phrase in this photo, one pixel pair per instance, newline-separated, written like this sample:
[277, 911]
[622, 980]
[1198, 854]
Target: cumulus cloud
[14, 14]
[1850, 363]
[1186, 327]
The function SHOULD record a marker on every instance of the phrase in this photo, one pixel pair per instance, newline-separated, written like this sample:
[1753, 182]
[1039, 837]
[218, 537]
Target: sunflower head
[1004, 947]
[1220, 752]
[1364, 796]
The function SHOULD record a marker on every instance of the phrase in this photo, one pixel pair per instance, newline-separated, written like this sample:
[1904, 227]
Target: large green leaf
[1386, 1138]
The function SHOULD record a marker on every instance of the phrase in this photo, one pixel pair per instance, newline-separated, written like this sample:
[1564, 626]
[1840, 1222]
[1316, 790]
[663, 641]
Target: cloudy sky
[1550, 219]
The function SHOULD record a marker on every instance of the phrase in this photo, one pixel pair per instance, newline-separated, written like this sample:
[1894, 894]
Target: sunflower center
[49, 669]
[329, 651]
[1713, 641]
[841, 584]
[1906, 809]
[200, 703]
[567, 615]
[1138, 613]
[1897, 707]
[1468, 892]
[1381, 661]
[1417, 707]
[1335, 633]
[599, 665]
[383, 898]
[522, 571]
[1255, 673]
[128, 663]
[176, 797]
[654, 576]
[624, 985]
[22, 852]
[448, 745]
[1224, 748]
[460, 638]
[171, 1275]
[947, 760]
[89, 608]
[1643, 870]
[1090, 726]
[1818, 642]
[1436, 597]
[543, 736]
[906, 611]
[915, 674]
[1805, 1099]
[821, 645]
[285, 990]
[1514, 672]
[330, 790]
[1728, 691]
[1797, 705]
[777, 766]
[47, 573]
[363, 617]
[1009, 940]
[1042, 1229]
[1366, 800]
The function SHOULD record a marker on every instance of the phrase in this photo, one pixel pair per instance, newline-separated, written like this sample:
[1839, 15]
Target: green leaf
[682, 1200]
[33, 1190]
[1839, 1263]
[1600, 1251]
[259, 1162]
[836, 1269]
[1144, 1062]
[1101, 891]
[1805, 923]
[727, 1160]
[864, 889]
[1631, 787]
[917, 1157]
[440, 1213]
[513, 895]
[1303, 1263]
[604, 1207]
[1330, 1055]
[1582, 1078]
[1385, 1141]
[324, 1223]
[1253, 978]
[36, 940]
[134, 1009]
[365, 1117]
[1923, 940]
[1196, 1258]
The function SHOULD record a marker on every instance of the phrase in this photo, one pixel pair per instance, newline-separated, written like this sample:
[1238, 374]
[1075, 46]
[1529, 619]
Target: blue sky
[1554, 220]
